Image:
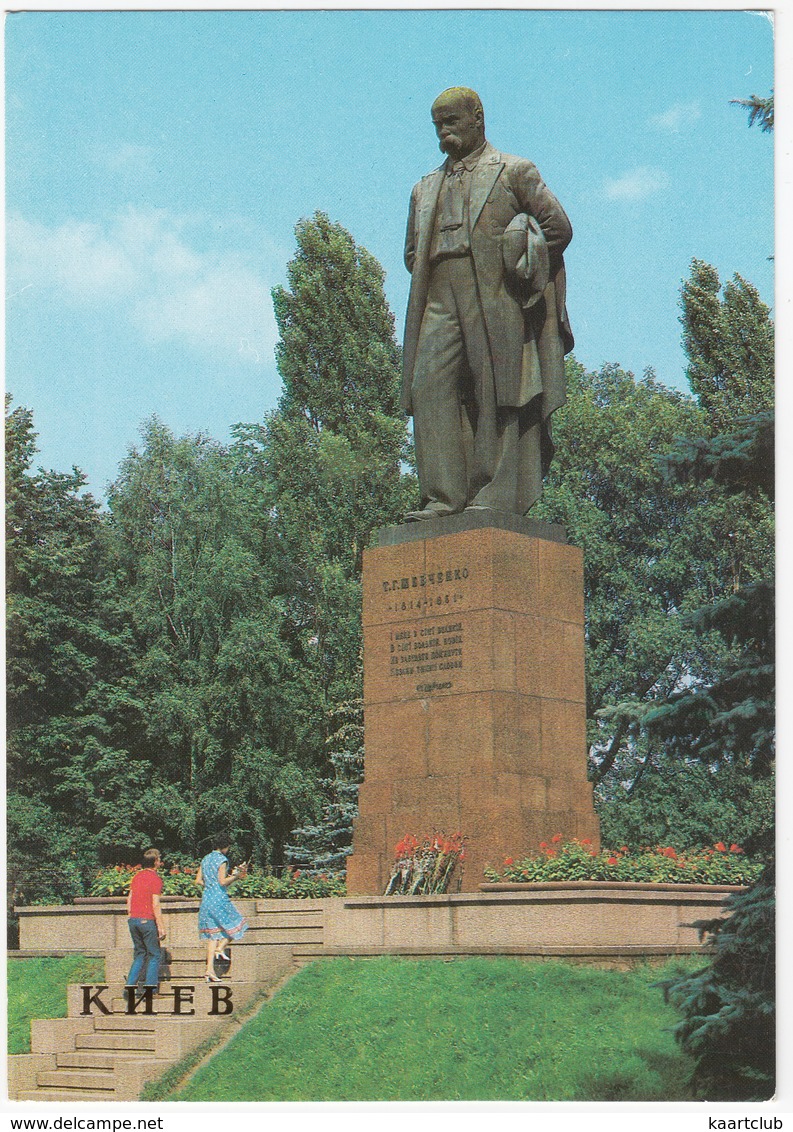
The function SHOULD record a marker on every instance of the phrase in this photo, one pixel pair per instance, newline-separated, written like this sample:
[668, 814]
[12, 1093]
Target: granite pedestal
[474, 703]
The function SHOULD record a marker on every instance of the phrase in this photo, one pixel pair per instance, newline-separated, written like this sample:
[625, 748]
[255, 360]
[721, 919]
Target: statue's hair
[462, 94]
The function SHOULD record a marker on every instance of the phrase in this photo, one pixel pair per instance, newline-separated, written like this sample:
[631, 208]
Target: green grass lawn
[37, 989]
[474, 1029]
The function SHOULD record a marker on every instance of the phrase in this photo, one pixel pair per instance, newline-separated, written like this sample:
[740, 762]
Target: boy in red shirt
[145, 921]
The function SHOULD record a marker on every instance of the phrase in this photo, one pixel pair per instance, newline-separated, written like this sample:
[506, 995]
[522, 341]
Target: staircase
[300, 927]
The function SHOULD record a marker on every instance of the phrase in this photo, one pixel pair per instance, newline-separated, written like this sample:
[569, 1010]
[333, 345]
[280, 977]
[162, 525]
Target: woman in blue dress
[218, 920]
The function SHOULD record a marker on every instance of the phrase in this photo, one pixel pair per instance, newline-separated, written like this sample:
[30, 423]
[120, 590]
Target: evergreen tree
[726, 716]
[728, 1006]
[728, 1023]
[324, 846]
[638, 535]
[657, 547]
[761, 110]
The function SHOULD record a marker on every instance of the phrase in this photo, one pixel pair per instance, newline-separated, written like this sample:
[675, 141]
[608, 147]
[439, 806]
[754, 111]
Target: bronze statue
[487, 327]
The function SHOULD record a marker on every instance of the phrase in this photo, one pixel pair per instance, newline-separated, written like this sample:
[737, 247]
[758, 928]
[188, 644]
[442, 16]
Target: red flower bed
[663, 864]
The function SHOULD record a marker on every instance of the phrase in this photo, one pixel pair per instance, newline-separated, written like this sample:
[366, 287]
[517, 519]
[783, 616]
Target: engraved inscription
[429, 653]
[425, 651]
[421, 591]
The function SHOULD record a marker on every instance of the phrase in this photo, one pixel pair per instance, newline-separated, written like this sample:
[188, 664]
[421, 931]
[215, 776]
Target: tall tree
[728, 1006]
[637, 533]
[332, 455]
[656, 547]
[725, 716]
[730, 346]
[324, 845]
[64, 695]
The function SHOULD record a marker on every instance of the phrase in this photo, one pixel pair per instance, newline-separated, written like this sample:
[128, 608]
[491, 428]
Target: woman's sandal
[212, 979]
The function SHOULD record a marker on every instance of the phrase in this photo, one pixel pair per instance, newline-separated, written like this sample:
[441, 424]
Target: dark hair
[221, 841]
[150, 858]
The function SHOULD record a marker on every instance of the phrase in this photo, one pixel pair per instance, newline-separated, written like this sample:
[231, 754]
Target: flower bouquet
[425, 868]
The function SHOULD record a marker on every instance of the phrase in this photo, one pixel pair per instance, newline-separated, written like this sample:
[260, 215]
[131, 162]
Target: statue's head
[459, 121]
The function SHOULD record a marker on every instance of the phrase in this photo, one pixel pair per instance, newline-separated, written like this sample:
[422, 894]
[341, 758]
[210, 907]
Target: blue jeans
[146, 944]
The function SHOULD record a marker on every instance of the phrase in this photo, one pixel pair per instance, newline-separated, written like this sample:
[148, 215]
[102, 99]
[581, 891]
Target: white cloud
[77, 258]
[638, 184]
[141, 266]
[125, 158]
[677, 116]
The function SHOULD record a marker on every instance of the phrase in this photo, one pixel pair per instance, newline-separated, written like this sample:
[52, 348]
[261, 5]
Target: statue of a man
[487, 328]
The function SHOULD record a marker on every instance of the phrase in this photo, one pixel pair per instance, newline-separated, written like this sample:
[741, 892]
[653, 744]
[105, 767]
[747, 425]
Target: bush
[292, 885]
[577, 860]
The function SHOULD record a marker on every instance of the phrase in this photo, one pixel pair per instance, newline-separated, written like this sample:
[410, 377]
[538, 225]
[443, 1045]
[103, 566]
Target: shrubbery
[577, 860]
[257, 885]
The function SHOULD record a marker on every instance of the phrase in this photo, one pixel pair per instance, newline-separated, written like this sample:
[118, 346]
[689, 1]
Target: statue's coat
[527, 339]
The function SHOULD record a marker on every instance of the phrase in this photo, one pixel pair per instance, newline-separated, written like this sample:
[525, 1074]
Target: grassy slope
[475, 1029]
[37, 989]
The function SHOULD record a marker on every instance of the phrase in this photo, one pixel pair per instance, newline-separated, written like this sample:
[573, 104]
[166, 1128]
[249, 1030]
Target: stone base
[580, 920]
[474, 702]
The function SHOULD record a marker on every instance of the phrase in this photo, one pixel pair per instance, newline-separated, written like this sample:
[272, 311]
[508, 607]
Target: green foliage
[330, 463]
[648, 556]
[577, 860]
[685, 802]
[66, 691]
[761, 110]
[731, 717]
[337, 353]
[292, 885]
[477, 1029]
[728, 1006]
[37, 989]
[224, 726]
[324, 846]
[677, 532]
[741, 460]
[258, 885]
[178, 664]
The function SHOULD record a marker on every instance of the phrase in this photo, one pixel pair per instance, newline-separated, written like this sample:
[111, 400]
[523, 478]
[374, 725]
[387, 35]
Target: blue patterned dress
[217, 916]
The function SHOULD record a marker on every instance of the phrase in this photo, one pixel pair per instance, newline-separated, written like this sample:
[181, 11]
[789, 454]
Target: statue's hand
[525, 255]
[514, 251]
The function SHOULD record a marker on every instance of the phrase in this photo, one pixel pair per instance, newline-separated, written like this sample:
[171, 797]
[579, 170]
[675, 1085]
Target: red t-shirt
[144, 885]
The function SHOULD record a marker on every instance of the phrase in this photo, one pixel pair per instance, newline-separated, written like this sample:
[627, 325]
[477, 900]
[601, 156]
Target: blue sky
[157, 163]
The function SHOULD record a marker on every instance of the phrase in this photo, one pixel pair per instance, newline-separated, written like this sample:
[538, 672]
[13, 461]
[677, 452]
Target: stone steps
[67, 1096]
[110, 1057]
[89, 1060]
[92, 1080]
[141, 1042]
